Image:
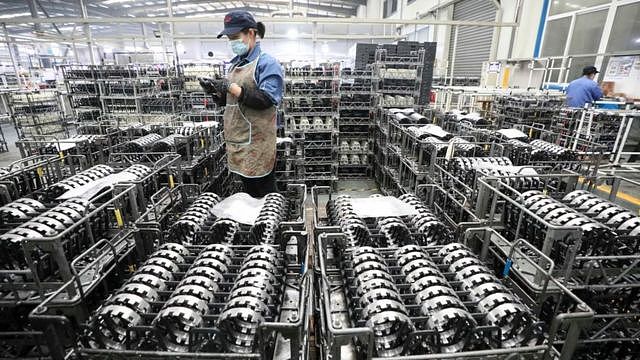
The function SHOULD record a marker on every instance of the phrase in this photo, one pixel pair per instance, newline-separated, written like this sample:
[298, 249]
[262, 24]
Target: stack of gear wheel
[46, 225]
[189, 302]
[192, 220]
[463, 168]
[140, 171]
[251, 301]
[440, 146]
[501, 309]
[394, 231]
[521, 152]
[185, 130]
[166, 144]
[340, 211]
[551, 152]
[617, 218]
[463, 147]
[223, 231]
[597, 239]
[431, 229]
[446, 313]
[141, 144]
[84, 177]
[380, 301]
[111, 322]
[520, 178]
[429, 130]
[273, 211]
[21, 210]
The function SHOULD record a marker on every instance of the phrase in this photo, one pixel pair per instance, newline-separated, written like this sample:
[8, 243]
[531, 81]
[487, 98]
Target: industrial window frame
[566, 58]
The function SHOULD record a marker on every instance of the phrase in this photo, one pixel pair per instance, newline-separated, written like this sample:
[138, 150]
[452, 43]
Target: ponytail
[260, 29]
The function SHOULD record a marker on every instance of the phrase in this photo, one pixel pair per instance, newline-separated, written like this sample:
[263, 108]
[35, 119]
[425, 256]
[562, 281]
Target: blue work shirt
[582, 91]
[268, 73]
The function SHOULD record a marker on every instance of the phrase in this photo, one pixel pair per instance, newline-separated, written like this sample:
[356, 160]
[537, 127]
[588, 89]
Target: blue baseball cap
[236, 21]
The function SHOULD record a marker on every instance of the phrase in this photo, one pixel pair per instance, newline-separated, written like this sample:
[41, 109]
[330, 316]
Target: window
[625, 34]
[587, 32]
[555, 37]
[577, 64]
[389, 7]
[563, 6]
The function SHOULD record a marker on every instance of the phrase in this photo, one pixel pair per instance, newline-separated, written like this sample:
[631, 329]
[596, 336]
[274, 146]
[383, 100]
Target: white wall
[525, 37]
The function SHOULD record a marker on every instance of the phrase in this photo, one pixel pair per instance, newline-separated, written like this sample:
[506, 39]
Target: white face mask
[238, 47]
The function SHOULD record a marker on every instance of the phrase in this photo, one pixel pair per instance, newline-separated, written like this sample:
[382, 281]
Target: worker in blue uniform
[584, 90]
[250, 93]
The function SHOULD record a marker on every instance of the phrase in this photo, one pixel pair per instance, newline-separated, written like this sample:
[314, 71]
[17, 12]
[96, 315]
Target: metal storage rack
[356, 101]
[606, 276]
[282, 333]
[83, 91]
[526, 109]
[139, 88]
[192, 71]
[606, 127]
[37, 113]
[311, 113]
[87, 246]
[349, 334]
[397, 78]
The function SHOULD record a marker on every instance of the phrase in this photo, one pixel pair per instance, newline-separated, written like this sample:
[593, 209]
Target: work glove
[218, 86]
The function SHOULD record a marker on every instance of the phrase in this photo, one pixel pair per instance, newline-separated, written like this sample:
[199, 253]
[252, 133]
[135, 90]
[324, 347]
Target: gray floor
[11, 137]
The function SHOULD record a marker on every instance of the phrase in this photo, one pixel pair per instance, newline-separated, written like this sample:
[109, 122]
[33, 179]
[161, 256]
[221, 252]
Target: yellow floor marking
[620, 195]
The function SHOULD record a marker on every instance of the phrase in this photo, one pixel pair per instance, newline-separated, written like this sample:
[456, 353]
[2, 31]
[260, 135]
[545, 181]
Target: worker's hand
[235, 90]
[207, 85]
[221, 86]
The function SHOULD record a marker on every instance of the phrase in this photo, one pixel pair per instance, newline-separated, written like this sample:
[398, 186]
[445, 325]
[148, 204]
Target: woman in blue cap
[251, 92]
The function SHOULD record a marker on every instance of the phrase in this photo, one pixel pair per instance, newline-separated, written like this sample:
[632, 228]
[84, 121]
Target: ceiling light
[638, 41]
[9, 16]
[117, 1]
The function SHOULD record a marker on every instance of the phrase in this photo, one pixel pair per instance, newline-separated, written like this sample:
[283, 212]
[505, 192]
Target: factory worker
[584, 90]
[251, 92]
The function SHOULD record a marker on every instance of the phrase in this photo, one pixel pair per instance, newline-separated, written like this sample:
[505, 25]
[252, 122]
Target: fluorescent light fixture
[9, 16]
[109, 2]
[292, 33]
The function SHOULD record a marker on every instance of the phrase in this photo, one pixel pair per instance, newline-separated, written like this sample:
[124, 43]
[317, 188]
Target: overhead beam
[281, 4]
[294, 20]
[34, 13]
[213, 37]
[44, 11]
